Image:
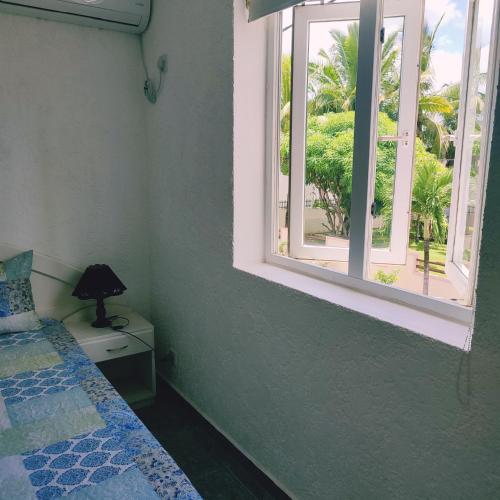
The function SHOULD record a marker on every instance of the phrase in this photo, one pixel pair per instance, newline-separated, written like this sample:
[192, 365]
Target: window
[379, 158]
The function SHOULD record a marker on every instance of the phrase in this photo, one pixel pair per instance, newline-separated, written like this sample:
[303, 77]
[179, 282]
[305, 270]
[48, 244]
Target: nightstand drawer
[116, 347]
[123, 359]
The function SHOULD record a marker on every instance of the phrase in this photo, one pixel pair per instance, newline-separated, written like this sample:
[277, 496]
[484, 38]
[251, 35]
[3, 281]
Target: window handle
[404, 138]
[117, 349]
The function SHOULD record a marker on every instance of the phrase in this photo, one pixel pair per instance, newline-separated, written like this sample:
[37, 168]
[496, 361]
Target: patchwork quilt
[65, 431]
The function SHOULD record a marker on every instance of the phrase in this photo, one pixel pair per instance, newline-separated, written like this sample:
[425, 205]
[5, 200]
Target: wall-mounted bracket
[151, 90]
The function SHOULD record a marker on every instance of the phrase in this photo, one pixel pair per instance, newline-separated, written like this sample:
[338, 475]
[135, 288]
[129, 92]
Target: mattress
[65, 431]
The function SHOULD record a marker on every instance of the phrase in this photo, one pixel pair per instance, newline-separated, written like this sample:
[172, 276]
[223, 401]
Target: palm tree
[285, 117]
[431, 198]
[432, 105]
[333, 77]
[452, 94]
[332, 83]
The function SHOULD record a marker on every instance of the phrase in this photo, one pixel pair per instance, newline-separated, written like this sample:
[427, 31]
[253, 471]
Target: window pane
[448, 156]
[421, 268]
[388, 131]
[331, 92]
[473, 145]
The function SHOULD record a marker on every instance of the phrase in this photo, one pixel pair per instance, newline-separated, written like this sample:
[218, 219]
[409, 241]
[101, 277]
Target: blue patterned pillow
[17, 309]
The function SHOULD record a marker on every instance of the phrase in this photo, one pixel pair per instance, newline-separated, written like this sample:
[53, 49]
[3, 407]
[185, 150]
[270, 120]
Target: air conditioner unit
[131, 16]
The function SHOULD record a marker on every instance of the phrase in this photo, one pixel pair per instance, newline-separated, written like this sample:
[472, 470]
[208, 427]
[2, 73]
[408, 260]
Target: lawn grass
[380, 239]
[437, 251]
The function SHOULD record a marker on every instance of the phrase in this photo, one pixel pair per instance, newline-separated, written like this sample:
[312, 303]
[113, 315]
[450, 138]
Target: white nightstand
[127, 363]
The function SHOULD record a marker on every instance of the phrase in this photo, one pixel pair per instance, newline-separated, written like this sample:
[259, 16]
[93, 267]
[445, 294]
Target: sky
[448, 52]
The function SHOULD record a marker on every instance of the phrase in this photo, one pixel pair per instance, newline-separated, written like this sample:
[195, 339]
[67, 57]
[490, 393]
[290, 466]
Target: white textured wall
[73, 169]
[331, 403]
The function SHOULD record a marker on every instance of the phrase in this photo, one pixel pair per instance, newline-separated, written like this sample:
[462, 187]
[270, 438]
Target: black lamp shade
[98, 282]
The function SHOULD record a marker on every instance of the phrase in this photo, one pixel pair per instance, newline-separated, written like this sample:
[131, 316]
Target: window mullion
[273, 97]
[365, 134]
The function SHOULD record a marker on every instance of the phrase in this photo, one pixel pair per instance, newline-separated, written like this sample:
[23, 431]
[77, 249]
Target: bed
[64, 430]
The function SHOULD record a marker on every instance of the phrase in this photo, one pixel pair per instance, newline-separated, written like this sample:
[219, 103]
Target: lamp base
[101, 321]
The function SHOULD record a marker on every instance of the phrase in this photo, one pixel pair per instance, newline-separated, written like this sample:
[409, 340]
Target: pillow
[17, 309]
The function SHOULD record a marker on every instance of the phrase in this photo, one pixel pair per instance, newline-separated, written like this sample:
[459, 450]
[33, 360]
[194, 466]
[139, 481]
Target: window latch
[382, 35]
[373, 209]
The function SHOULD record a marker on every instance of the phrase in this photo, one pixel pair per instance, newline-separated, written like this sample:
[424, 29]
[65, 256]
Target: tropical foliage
[330, 135]
[329, 160]
[434, 106]
[431, 198]
[332, 79]
[387, 278]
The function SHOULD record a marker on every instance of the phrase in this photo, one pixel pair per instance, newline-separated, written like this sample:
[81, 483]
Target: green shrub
[387, 278]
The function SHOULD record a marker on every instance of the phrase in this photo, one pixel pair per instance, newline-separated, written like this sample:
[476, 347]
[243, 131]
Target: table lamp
[98, 282]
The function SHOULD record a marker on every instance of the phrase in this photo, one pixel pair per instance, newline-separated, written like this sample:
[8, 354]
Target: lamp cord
[119, 328]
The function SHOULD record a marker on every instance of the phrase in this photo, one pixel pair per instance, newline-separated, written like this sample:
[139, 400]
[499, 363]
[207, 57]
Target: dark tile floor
[215, 467]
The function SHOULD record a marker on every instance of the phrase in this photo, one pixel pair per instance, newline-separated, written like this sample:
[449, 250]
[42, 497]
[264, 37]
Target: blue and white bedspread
[65, 431]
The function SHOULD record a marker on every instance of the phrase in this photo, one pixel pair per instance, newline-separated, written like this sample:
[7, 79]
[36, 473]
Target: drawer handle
[117, 349]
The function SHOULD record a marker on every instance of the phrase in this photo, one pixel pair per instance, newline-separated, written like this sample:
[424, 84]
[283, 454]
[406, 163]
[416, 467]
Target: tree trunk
[417, 231]
[345, 227]
[330, 214]
[287, 214]
[427, 243]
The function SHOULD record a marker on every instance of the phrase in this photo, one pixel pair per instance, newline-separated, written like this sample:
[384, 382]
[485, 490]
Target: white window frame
[412, 12]
[461, 277]
[441, 310]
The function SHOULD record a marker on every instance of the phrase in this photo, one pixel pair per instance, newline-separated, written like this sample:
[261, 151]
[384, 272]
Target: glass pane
[473, 146]
[388, 130]
[332, 74]
[422, 267]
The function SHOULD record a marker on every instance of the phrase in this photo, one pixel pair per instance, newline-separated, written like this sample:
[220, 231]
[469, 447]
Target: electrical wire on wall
[464, 383]
[151, 89]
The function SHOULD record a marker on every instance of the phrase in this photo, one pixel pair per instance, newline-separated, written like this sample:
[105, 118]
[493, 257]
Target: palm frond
[435, 104]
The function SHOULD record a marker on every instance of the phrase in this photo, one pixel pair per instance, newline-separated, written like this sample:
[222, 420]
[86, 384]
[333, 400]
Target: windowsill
[432, 325]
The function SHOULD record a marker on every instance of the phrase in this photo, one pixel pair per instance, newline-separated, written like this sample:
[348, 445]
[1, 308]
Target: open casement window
[405, 19]
[472, 140]
[381, 146]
